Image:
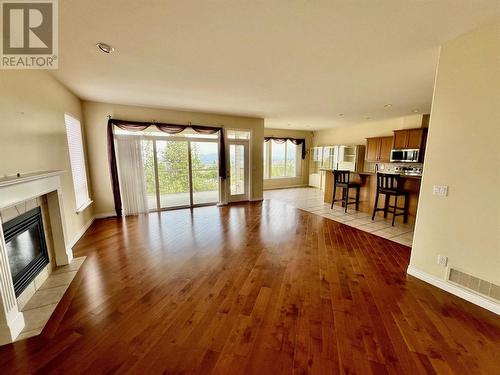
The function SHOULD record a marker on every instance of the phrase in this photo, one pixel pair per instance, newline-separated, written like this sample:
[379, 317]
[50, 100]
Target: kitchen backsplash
[389, 167]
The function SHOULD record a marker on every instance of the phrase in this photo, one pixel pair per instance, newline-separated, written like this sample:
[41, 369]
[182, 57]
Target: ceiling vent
[475, 284]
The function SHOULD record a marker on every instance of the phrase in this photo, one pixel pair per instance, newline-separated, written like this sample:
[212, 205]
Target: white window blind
[77, 159]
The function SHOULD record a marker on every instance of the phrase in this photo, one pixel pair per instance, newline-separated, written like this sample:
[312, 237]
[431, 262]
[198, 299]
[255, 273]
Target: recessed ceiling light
[341, 114]
[105, 47]
[415, 111]
[388, 105]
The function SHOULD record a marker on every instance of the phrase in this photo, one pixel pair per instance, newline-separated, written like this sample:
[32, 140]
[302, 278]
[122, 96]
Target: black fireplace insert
[26, 248]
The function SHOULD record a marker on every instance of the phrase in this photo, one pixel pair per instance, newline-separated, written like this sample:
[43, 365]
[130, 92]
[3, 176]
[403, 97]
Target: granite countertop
[403, 175]
[363, 173]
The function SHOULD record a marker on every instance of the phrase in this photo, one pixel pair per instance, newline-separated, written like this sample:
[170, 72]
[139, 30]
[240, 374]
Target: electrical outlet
[441, 190]
[442, 260]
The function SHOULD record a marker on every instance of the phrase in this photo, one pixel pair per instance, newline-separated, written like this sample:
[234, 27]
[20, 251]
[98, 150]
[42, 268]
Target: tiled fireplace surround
[18, 195]
[7, 214]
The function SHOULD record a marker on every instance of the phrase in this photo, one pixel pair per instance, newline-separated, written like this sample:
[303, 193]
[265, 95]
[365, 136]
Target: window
[238, 134]
[281, 160]
[77, 159]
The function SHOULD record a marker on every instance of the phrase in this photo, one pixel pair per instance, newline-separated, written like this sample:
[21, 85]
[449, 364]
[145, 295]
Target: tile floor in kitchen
[311, 200]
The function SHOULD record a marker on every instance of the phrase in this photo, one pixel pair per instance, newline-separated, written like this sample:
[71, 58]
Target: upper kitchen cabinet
[315, 163]
[378, 149]
[409, 139]
[372, 149]
[385, 149]
[416, 138]
[400, 139]
[329, 157]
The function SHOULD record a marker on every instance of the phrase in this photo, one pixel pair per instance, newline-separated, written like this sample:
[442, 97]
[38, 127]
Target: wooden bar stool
[342, 179]
[389, 185]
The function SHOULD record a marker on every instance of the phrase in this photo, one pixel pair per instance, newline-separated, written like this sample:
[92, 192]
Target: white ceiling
[298, 64]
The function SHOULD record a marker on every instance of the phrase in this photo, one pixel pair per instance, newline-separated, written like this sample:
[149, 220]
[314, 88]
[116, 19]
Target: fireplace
[26, 248]
[17, 190]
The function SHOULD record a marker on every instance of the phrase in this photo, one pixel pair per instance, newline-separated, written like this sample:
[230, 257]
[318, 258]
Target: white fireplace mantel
[14, 190]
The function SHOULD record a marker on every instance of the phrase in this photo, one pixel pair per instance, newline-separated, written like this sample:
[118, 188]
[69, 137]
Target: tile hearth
[311, 200]
[41, 305]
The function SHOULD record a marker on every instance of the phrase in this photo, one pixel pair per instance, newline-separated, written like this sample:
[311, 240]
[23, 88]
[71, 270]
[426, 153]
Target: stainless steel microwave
[405, 156]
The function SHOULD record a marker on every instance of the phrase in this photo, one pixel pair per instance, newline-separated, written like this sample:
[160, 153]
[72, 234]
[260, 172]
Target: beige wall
[303, 179]
[33, 133]
[356, 134]
[463, 153]
[95, 115]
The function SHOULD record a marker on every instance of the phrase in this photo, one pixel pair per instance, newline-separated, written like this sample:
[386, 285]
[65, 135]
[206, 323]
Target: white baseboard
[81, 232]
[453, 289]
[87, 226]
[105, 215]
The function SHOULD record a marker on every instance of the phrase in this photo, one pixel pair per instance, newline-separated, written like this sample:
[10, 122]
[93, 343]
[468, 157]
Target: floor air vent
[475, 284]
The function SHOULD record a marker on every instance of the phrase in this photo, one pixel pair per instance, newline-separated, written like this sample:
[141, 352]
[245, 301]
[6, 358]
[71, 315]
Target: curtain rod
[154, 122]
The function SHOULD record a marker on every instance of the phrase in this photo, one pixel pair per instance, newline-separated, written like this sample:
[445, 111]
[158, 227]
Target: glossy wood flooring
[260, 288]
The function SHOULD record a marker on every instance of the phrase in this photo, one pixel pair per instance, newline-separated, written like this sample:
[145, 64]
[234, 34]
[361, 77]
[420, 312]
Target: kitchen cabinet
[316, 154]
[378, 149]
[385, 149]
[372, 149]
[329, 157]
[350, 157]
[408, 139]
[315, 162]
[415, 138]
[400, 138]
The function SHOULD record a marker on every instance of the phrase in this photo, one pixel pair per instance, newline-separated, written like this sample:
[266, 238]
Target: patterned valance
[295, 141]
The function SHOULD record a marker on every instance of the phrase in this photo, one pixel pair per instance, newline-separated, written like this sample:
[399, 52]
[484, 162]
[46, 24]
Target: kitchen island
[368, 182]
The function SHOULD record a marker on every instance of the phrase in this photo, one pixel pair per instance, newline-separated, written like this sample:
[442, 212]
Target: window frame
[267, 154]
[71, 120]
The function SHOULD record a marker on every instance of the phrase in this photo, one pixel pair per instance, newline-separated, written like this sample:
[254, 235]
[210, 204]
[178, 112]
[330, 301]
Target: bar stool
[389, 185]
[342, 179]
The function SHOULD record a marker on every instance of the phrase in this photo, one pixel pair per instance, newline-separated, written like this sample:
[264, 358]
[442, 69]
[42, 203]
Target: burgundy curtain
[295, 141]
[166, 128]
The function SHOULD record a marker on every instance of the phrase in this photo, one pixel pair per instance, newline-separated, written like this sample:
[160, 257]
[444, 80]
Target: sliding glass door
[173, 173]
[205, 171]
[149, 160]
[180, 172]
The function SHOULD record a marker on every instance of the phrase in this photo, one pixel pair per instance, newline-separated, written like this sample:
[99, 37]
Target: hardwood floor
[259, 288]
